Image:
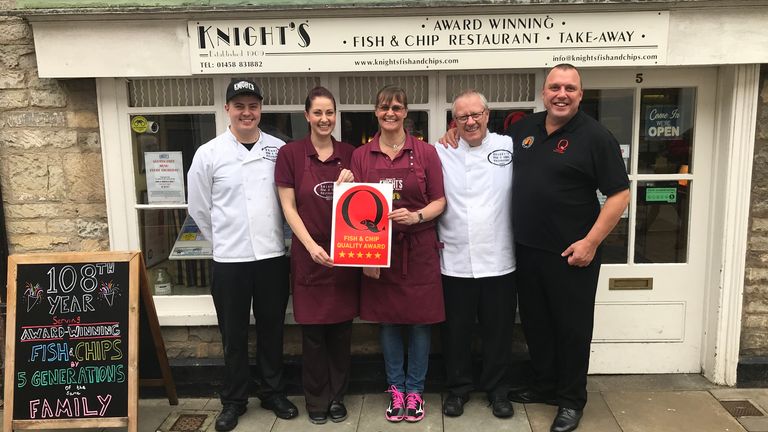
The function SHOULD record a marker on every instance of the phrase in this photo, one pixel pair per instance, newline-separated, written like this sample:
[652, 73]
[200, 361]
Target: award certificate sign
[165, 177]
[362, 232]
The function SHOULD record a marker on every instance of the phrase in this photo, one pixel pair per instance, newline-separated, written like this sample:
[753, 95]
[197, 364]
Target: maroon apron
[409, 291]
[321, 295]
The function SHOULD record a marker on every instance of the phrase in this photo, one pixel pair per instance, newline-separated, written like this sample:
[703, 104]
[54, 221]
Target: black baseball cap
[243, 87]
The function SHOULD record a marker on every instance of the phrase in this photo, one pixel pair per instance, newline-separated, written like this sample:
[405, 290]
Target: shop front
[680, 100]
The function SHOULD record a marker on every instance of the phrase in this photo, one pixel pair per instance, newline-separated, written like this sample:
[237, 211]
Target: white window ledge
[195, 311]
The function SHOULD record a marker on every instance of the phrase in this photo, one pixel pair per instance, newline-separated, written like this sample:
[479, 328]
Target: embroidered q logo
[561, 146]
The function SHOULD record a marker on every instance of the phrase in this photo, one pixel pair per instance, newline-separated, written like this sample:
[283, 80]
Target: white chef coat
[476, 227]
[233, 198]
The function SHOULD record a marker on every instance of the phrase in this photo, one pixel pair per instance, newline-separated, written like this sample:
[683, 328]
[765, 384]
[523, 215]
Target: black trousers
[490, 301]
[236, 288]
[325, 363]
[557, 310]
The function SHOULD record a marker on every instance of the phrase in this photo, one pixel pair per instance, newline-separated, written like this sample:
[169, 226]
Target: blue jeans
[419, 336]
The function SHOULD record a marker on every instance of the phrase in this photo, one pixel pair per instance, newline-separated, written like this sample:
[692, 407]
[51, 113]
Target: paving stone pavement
[618, 403]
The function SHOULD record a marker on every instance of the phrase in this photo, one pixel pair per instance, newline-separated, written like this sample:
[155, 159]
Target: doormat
[741, 408]
[188, 421]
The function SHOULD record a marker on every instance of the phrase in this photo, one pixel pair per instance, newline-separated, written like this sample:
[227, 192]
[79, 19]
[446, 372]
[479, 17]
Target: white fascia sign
[428, 42]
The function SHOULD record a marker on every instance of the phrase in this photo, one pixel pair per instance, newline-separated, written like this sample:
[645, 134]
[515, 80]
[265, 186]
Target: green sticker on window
[661, 195]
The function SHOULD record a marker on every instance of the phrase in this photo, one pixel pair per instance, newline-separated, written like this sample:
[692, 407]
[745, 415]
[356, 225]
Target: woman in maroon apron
[408, 294]
[325, 298]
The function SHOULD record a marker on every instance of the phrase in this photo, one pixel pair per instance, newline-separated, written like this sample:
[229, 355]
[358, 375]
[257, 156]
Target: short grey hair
[466, 93]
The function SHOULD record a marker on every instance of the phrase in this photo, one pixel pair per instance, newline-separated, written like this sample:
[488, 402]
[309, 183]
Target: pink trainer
[414, 405]
[396, 409]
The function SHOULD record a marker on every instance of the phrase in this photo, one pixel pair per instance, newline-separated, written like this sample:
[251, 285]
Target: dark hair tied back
[316, 92]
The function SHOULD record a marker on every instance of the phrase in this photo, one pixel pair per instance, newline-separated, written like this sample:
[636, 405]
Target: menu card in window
[165, 177]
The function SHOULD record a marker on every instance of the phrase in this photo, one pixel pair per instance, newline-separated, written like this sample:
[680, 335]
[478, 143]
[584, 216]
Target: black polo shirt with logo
[556, 176]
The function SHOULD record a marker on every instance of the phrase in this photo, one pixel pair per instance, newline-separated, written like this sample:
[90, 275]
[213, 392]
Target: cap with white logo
[243, 87]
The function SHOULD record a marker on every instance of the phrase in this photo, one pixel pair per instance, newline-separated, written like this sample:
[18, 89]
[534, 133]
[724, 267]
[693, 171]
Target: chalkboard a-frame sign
[72, 340]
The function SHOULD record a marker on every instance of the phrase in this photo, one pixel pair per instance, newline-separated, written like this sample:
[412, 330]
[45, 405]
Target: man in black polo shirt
[561, 156]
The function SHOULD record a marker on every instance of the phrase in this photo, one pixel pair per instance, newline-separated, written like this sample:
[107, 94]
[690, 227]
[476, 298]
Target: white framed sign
[428, 42]
[165, 177]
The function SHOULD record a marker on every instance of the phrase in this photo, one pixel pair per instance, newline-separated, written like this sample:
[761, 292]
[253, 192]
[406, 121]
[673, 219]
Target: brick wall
[754, 335]
[50, 158]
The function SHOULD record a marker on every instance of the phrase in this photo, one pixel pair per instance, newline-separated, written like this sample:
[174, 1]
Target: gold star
[368, 255]
[359, 254]
[378, 255]
[342, 254]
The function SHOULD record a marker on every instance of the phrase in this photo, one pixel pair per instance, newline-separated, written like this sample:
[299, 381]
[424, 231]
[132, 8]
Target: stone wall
[754, 334]
[50, 159]
[205, 342]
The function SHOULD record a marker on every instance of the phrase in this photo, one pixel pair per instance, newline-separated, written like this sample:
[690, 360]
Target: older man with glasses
[478, 259]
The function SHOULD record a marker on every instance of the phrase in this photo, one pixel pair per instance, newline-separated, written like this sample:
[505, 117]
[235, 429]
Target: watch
[421, 217]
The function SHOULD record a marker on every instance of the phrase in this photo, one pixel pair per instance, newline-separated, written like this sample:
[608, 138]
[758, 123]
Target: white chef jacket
[233, 198]
[476, 227]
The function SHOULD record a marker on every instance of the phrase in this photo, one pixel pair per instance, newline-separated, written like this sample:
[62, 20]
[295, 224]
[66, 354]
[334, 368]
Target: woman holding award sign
[408, 294]
[324, 300]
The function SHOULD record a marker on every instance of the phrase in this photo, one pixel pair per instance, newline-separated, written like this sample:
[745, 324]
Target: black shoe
[567, 420]
[502, 407]
[337, 411]
[281, 406]
[454, 405]
[317, 418]
[227, 419]
[530, 396]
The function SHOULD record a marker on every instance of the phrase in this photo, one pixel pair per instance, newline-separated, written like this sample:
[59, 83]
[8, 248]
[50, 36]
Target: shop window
[499, 120]
[170, 92]
[661, 233]
[164, 145]
[614, 109]
[285, 90]
[500, 87]
[359, 127]
[284, 125]
[666, 131]
[182, 133]
[616, 243]
[361, 90]
[665, 145]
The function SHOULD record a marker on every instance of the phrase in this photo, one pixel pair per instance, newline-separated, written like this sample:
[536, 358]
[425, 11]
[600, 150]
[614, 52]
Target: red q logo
[561, 146]
[356, 211]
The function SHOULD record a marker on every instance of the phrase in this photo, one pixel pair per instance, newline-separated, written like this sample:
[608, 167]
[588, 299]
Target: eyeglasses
[475, 116]
[395, 108]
